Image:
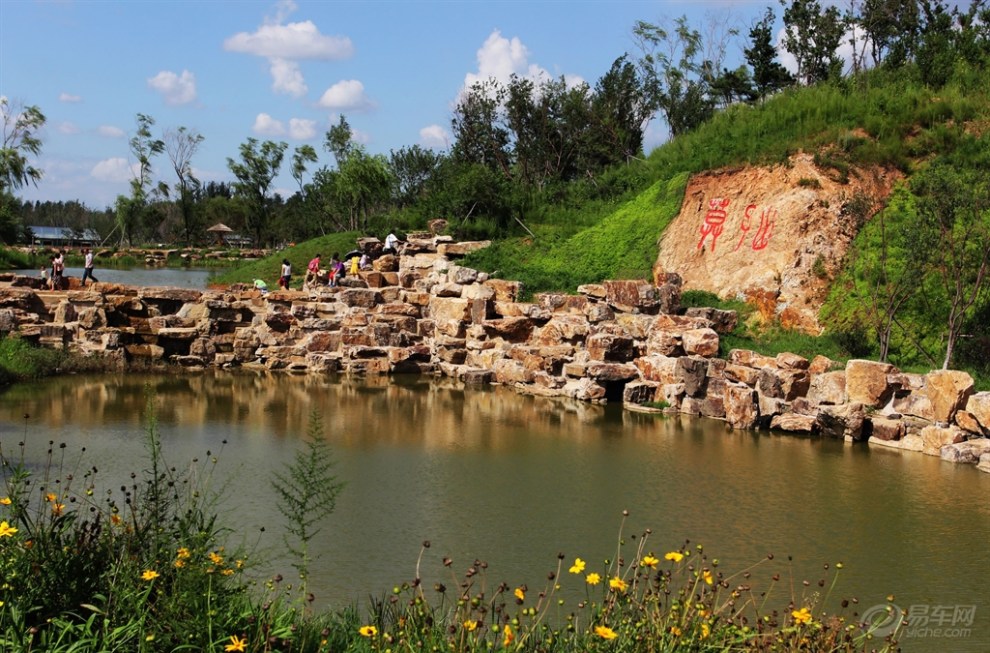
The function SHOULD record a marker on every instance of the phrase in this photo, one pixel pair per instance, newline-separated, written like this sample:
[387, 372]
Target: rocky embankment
[421, 312]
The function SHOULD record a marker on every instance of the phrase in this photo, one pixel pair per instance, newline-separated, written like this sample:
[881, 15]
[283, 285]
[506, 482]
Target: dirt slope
[771, 236]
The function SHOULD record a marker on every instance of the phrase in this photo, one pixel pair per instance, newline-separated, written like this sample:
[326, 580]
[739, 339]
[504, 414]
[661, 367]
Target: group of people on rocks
[338, 267]
[53, 277]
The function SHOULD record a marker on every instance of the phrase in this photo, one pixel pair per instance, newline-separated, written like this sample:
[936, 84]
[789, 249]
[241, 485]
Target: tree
[891, 28]
[181, 145]
[144, 147]
[255, 173]
[304, 154]
[675, 73]
[412, 168]
[954, 209]
[20, 139]
[480, 135]
[813, 35]
[769, 76]
[338, 141]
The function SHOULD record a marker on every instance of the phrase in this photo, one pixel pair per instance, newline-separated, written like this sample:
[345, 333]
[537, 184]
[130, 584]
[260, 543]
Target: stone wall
[423, 313]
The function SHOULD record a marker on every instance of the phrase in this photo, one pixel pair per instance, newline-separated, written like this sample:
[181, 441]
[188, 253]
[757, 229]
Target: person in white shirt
[283, 281]
[391, 243]
[88, 267]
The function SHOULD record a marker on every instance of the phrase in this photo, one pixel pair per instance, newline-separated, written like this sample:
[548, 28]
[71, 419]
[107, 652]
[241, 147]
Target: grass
[269, 268]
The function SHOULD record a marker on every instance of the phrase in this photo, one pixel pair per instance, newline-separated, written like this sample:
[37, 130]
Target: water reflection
[513, 480]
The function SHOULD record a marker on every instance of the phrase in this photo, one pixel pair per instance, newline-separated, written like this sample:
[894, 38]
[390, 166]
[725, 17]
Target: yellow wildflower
[676, 556]
[183, 553]
[605, 632]
[180, 563]
[227, 572]
[593, 578]
[578, 566]
[5, 501]
[470, 625]
[705, 631]
[617, 584]
[50, 497]
[520, 594]
[58, 509]
[216, 558]
[239, 564]
[649, 561]
[149, 574]
[367, 631]
[236, 644]
[115, 519]
[6, 530]
[802, 616]
[507, 636]
[675, 631]
[707, 575]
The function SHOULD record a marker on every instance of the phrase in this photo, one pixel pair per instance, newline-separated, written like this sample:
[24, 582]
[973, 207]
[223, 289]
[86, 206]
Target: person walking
[58, 268]
[88, 267]
[283, 280]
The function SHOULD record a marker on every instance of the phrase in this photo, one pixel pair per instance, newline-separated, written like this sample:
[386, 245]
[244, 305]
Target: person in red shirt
[312, 271]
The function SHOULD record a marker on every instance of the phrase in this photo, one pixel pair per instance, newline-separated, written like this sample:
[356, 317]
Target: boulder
[828, 388]
[978, 405]
[866, 382]
[883, 428]
[948, 391]
[969, 452]
[933, 438]
[740, 402]
[700, 342]
[631, 296]
[843, 422]
[794, 423]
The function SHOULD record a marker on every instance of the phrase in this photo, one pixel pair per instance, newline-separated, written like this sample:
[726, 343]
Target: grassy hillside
[879, 118]
[269, 268]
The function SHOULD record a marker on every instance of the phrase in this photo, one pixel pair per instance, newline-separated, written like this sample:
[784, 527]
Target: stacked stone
[423, 313]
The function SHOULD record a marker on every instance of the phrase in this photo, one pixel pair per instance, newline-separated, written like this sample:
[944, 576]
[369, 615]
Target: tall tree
[954, 207]
[480, 134]
[181, 145]
[769, 76]
[412, 168]
[303, 154]
[339, 141]
[20, 139]
[676, 73]
[813, 35]
[255, 173]
[144, 148]
[890, 28]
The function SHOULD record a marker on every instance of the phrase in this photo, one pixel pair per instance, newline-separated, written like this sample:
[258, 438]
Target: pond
[185, 277]
[512, 480]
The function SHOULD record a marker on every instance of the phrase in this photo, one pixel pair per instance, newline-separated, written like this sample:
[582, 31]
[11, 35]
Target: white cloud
[434, 136]
[115, 170]
[301, 129]
[501, 58]
[68, 97]
[265, 125]
[346, 95]
[175, 89]
[67, 128]
[292, 41]
[109, 131]
[360, 137]
[287, 78]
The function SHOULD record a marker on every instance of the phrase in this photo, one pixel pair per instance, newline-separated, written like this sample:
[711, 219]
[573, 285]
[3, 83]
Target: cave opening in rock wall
[614, 390]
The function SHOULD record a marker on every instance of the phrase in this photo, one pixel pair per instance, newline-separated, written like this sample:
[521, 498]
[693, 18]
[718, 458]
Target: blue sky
[233, 69]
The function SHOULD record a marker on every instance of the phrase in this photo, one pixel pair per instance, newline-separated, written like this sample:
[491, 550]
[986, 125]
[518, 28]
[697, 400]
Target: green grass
[269, 268]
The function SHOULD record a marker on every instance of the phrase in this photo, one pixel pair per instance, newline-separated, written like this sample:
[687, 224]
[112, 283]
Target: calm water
[514, 480]
[194, 278]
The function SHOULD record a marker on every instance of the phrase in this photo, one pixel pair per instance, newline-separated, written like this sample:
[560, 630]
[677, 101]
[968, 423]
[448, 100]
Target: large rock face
[770, 235]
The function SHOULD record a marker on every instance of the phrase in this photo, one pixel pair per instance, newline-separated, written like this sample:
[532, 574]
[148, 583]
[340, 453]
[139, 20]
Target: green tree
[181, 145]
[954, 211]
[339, 141]
[144, 148]
[480, 134]
[813, 35]
[891, 29]
[255, 173]
[676, 74]
[412, 168]
[769, 76]
[20, 139]
[303, 154]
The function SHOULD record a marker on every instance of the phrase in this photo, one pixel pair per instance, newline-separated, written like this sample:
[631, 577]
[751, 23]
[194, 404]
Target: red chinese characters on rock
[768, 217]
[714, 221]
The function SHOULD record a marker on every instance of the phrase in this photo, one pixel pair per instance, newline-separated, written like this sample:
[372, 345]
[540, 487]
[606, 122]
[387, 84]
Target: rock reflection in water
[487, 473]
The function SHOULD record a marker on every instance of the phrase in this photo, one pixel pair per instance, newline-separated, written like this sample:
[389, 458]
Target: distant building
[63, 236]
